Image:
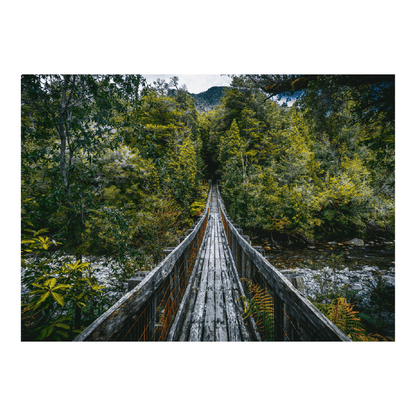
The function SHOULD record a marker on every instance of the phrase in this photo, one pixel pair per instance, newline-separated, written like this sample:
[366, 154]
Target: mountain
[207, 100]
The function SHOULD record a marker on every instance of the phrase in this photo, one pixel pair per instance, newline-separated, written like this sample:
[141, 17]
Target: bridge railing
[281, 311]
[146, 312]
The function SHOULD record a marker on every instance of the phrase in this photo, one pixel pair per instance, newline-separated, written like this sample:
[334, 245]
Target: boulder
[356, 242]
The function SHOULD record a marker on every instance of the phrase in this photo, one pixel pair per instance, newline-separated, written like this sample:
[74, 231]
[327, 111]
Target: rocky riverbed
[363, 273]
[338, 264]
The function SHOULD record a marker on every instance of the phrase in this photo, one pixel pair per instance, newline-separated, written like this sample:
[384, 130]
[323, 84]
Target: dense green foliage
[323, 168]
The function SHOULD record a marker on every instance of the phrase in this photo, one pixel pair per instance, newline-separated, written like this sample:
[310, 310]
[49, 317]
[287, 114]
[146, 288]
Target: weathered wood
[295, 278]
[237, 293]
[230, 309]
[221, 333]
[136, 279]
[209, 321]
[180, 321]
[220, 320]
[260, 249]
[189, 305]
[198, 313]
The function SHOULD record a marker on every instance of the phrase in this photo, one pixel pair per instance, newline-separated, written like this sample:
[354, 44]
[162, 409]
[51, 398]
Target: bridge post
[175, 289]
[185, 270]
[260, 249]
[136, 279]
[247, 238]
[298, 282]
[279, 334]
[243, 274]
[248, 273]
[245, 261]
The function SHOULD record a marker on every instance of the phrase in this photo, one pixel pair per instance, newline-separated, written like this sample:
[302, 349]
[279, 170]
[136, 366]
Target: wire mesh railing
[280, 310]
[147, 312]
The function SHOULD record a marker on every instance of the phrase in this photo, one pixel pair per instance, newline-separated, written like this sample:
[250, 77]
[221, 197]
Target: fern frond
[259, 304]
[341, 313]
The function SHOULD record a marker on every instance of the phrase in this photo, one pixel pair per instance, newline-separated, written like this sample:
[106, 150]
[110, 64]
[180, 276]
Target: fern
[341, 313]
[259, 304]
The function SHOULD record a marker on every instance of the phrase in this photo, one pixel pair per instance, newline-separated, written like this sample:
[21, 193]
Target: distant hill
[207, 100]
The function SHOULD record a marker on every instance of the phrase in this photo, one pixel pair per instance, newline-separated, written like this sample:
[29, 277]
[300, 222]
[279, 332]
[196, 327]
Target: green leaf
[44, 297]
[45, 333]
[63, 318]
[43, 230]
[36, 291]
[62, 286]
[65, 326]
[49, 330]
[42, 335]
[52, 282]
[59, 298]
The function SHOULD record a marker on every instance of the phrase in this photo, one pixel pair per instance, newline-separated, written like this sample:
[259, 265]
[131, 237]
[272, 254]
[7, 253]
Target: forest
[116, 169]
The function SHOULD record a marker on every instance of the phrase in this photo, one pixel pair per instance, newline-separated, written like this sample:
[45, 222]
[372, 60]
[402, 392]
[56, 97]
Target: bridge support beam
[279, 334]
[136, 279]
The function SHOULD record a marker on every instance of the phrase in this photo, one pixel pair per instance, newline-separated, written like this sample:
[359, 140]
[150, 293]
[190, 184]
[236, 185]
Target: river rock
[357, 286]
[356, 242]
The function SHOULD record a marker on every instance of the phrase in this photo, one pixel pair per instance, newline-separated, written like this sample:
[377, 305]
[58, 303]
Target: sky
[195, 83]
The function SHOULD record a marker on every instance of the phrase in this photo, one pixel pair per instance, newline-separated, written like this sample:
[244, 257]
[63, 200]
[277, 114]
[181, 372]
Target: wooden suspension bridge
[198, 293]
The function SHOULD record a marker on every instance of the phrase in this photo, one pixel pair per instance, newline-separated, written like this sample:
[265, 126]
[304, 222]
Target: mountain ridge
[209, 99]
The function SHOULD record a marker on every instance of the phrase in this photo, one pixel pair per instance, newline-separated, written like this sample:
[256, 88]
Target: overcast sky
[195, 83]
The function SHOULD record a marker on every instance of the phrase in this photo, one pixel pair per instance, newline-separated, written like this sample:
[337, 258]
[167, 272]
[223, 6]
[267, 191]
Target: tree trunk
[62, 131]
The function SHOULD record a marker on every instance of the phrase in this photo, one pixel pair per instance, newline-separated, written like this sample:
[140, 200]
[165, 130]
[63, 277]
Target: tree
[73, 116]
[376, 92]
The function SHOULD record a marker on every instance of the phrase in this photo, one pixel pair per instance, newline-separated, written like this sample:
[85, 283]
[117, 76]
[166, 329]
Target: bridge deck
[212, 310]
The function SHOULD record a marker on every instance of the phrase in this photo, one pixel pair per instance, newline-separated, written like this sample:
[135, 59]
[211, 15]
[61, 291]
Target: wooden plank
[215, 223]
[209, 321]
[230, 309]
[198, 312]
[185, 329]
[221, 333]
